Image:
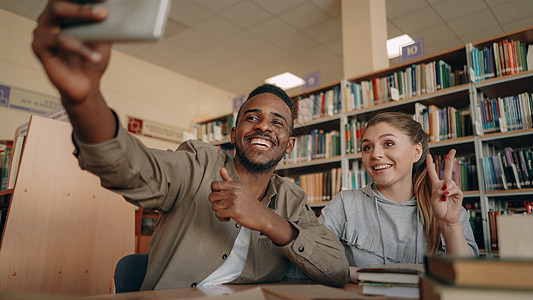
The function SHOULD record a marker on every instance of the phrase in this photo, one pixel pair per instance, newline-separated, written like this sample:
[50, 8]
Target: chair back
[130, 272]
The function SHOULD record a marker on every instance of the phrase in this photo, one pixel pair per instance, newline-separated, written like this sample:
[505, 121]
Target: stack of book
[394, 280]
[477, 278]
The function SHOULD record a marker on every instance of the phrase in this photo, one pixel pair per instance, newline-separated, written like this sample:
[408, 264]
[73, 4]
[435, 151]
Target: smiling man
[224, 219]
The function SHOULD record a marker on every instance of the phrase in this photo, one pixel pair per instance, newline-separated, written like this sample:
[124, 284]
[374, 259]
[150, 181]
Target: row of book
[505, 57]
[464, 171]
[315, 145]
[476, 222]
[443, 123]
[506, 113]
[439, 123]
[415, 80]
[323, 104]
[322, 186]
[508, 169]
[5, 159]
[214, 131]
[357, 176]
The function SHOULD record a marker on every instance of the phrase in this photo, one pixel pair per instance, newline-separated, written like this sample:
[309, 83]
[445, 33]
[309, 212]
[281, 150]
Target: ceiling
[236, 44]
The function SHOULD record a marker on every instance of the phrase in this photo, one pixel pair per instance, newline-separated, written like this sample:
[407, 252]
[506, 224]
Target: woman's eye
[367, 148]
[389, 144]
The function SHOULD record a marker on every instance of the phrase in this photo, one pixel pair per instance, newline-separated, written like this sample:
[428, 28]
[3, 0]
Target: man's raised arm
[75, 69]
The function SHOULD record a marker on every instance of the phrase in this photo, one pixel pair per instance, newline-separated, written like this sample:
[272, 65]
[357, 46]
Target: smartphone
[128, 20]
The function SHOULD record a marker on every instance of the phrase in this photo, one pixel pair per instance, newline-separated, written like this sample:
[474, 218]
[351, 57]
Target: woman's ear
[418, 152]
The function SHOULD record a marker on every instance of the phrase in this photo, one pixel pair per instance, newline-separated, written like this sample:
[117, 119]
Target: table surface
[199, 292]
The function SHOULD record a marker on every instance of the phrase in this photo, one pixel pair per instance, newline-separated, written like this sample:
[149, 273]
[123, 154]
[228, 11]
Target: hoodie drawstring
[380, 232]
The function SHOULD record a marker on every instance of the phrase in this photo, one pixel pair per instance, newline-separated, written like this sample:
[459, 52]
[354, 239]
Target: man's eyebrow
[280, 116]
[251, 111]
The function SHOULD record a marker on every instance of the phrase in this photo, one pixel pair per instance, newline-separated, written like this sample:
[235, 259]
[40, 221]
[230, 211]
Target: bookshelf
[64, 233]
[501, 89]
[447, 86]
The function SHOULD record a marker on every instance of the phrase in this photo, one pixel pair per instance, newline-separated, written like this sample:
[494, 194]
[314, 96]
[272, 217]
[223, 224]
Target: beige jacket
[189, 242]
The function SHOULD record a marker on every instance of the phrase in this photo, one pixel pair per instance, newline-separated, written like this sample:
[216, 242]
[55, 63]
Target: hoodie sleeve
[334, 216]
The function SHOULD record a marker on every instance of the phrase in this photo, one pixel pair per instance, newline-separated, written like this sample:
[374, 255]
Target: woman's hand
[446, 197]
[354, 276]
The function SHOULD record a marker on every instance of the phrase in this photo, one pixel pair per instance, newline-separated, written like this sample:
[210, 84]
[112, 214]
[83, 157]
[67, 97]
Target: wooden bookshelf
[64, 233]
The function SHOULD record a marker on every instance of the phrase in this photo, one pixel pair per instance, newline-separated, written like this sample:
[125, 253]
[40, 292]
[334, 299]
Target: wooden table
[303, 291]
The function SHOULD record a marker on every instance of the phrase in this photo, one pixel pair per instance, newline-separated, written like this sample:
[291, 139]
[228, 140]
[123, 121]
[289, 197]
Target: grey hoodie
[376, 231]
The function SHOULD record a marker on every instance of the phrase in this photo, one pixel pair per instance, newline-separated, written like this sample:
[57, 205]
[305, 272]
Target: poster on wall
[155, 130]
[33, 102]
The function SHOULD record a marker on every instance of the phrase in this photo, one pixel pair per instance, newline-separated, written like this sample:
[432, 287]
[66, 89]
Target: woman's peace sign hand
[446, 197]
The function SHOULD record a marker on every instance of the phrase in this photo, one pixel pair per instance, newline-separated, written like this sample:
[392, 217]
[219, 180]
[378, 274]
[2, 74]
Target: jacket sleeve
[317, 251]
[149, 178]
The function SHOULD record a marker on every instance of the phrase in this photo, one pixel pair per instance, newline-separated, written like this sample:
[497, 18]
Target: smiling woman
[408, 211]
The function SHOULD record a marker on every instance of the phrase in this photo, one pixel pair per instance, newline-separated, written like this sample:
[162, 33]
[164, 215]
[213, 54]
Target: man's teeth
[381, 167]
[261, 142]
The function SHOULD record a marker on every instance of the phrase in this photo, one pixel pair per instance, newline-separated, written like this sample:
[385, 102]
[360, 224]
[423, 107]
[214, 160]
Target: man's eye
[277, 122]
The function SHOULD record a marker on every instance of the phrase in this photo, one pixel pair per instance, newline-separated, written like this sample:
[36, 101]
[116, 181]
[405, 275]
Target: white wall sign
[155, 130]
[17, 98]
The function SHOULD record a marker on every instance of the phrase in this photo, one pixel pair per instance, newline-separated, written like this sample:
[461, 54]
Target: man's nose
[264, 125]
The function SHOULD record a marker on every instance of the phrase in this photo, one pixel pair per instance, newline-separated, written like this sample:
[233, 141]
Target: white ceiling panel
[482, 35]
[400, 8]
[216, 5]
[192, 39]
[515, 10]
[457, 9]
[296, 43]
[304, 16]
[277, 7]
[473, 23]
[332, 7]
[273, 29]
[189, 12]
[236, 44]
[244, 41]
[424, 18]
[245, 14]
[325, 32]
[217, 27]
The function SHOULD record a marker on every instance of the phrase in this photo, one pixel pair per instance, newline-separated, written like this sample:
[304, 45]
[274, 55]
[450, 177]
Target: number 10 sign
[412, 51]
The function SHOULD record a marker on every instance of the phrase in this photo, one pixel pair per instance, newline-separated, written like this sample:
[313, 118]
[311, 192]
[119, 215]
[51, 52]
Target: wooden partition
[64, 233]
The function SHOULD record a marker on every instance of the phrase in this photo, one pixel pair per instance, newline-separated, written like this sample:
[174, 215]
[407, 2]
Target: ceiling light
[394, 44]
[285, 80]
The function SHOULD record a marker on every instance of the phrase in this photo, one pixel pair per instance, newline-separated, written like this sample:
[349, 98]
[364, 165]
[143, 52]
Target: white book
[15, 161]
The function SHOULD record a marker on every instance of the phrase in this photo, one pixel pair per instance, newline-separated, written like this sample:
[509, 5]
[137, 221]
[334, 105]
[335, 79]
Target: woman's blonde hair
[421, 181]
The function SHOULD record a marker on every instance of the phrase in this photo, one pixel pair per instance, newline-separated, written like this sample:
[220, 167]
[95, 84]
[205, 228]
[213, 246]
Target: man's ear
[290, 145]
[418, 152]
[233, 135]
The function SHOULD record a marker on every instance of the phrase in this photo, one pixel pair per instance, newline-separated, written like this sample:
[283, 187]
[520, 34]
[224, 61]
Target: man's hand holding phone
[76, 67]
[128, 20]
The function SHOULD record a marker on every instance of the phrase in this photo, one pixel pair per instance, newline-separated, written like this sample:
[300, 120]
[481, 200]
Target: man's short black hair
[272, 89]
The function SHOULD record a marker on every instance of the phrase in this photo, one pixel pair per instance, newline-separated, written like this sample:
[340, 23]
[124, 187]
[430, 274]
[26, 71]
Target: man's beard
[250, 165]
